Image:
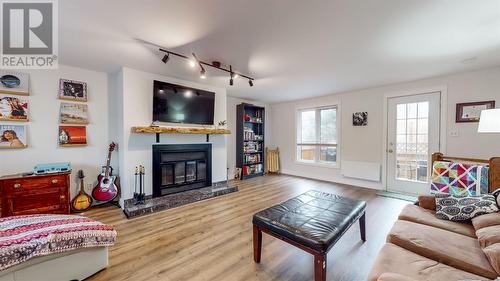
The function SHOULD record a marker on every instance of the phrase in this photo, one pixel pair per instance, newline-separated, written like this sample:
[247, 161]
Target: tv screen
[180, 104]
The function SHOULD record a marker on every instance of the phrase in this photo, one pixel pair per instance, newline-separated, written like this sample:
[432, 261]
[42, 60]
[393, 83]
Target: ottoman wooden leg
[320, 267]
[257, 243]
[362, 227]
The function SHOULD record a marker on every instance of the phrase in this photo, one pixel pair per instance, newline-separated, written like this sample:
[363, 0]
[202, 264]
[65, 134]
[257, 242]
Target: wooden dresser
[35, 194]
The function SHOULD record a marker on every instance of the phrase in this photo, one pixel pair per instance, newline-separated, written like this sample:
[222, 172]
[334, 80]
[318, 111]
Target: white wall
[135, 108]
[365, 144]
[42, 128]
[232, 102]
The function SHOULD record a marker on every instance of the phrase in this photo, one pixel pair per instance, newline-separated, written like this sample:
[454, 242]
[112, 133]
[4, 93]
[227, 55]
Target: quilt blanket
[459, 178]
[25, 237]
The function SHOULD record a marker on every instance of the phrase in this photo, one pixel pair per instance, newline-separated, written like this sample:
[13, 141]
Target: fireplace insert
[181, 167]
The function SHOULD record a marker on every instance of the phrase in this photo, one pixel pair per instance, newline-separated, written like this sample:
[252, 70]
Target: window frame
[318, 144]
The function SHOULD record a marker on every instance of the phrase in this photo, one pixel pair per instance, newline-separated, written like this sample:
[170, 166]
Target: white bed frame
[72, 265]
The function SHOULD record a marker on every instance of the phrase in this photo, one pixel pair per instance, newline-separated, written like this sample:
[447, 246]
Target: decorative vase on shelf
[247, 117]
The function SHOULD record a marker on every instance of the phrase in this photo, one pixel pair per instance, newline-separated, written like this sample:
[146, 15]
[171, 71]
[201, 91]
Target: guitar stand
[113, 203]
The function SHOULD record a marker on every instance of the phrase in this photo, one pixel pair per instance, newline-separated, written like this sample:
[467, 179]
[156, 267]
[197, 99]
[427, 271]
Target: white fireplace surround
[131, 103]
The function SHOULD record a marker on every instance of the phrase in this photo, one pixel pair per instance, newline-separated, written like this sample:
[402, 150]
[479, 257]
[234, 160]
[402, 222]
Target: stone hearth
[175, 200]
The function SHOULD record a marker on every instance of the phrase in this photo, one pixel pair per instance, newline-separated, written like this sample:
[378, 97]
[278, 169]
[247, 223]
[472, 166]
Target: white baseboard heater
[361, 170]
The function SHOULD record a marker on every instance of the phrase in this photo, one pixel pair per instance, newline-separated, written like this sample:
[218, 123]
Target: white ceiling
[294, 48]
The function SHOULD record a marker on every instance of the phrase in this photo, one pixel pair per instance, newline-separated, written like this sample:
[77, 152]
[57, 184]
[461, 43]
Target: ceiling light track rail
[232, 74]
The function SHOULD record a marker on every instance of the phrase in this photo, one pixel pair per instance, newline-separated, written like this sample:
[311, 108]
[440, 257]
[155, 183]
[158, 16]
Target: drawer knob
[54, 181]
[63, 196]
[17, 185]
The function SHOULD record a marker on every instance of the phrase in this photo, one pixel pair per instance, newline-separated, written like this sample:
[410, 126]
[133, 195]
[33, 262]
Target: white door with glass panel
[413, 127]
[317, 135]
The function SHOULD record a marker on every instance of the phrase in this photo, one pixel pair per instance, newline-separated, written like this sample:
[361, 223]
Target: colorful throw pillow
[460, 208]
[459, 178]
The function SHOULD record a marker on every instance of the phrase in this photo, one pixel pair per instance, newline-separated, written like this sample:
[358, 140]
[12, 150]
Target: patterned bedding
[26, 237]
[459, 178]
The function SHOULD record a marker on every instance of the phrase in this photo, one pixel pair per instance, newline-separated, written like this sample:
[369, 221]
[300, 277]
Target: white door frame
[443, 89]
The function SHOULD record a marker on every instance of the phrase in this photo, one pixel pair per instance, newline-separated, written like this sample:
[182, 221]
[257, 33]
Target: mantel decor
[178, 130]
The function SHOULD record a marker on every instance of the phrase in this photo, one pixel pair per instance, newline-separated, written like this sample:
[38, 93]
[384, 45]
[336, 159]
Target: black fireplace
[181, 167]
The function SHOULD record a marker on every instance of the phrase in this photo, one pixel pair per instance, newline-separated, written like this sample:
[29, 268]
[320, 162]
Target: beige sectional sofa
[422, 247]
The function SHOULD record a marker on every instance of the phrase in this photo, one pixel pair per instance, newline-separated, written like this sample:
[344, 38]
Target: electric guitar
[106, 189]
[82, 201]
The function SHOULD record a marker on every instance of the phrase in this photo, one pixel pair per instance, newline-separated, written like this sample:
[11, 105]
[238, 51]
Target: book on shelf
[252, 158]
[252, 146]
[252, 169]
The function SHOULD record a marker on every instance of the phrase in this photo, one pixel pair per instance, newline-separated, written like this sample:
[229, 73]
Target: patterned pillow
[459, 208]
[496, 193]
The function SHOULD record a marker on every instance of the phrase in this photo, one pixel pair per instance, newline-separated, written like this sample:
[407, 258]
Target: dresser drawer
[47, 200]
[40, 182]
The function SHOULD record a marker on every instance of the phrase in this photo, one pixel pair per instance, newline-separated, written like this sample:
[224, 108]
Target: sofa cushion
[394, 259]
[427, 202]
[493, 254]
[424, 216]
[460, 208]
[444, 246]
[486, 220]
[488, 235]
[394, 277]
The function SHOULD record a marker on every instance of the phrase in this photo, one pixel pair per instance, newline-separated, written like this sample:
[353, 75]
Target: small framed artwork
[471, 111]
[360, 118]
[73, 113]
[13, 136]
[72, 135]
[14, 83]
[13, 109]
[72, 90]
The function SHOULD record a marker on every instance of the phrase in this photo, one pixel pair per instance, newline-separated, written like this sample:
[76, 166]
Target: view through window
[317, 135]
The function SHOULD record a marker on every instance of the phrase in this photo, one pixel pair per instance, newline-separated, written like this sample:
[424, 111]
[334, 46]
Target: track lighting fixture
[165, 58]
[192, 61]
[231, 75]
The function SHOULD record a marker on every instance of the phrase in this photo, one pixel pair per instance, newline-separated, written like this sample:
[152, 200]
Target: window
[317, 135]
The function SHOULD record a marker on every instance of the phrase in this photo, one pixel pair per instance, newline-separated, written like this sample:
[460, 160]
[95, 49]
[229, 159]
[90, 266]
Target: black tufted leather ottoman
[313, 221]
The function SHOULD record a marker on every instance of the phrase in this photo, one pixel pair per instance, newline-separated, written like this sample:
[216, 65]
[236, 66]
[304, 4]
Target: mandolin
[106, 189]
[82, 202]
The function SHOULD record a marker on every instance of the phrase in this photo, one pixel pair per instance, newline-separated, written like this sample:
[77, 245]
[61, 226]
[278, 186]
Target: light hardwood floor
[212, 239]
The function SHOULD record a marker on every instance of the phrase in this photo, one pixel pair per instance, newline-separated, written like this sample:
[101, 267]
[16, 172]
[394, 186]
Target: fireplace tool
[139, 195]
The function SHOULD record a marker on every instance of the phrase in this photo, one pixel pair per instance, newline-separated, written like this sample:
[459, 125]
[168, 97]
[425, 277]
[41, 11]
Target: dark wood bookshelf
[250, 130]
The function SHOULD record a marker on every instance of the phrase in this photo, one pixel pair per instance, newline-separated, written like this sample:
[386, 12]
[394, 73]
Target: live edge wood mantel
[178, 130]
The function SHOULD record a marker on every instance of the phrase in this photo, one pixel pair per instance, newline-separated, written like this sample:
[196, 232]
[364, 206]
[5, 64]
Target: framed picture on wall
[471, 111]
[360, 119]
[13, 136]
[73, 113]
[72, 135]
[72, 90]
[13, 109]
[14, 83]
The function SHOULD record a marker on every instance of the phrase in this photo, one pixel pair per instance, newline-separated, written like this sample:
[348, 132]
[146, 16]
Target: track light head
[192, 63]
[250, 82]
[231, 76]
[203, 73]
[165, 58]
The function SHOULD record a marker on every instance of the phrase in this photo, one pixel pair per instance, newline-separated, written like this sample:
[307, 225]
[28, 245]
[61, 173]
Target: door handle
[390, 150]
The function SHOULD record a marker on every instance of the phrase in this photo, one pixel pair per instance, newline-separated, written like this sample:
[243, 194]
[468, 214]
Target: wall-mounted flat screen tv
[181, 104]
